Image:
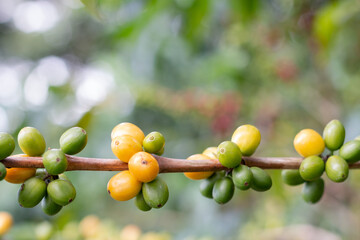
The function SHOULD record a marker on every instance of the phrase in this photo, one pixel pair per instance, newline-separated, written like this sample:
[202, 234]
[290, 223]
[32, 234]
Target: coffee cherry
[334, 135]
[229, 154]
[7, 145]
[350, 151]
[124, 147]
[156, 193]
[31, 192]
[2, 171]
[248, 138]
[54, 161]
[128, 129]
[292, 177]
[123, 186]
[141, 204]
[31, 141]
[336, 169]
[198, 175]
[143, 166]
[311, 168]
[153, 142]
[19, 175]
[261, 180]
[242, 177]
[211, 152]
[6, 222]
[62, 192]
[223, 190]
[308, 143]
[207, 185]
[313, 191]
[73, 140]
[49, 207]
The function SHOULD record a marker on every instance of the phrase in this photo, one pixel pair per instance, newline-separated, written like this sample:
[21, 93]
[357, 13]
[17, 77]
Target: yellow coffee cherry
[198, 175]
[210, 152]
[248, 138]
[6, 222]
[308, 142]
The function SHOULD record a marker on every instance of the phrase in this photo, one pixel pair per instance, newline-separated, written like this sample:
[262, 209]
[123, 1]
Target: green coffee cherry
[7, 145]
[2, 171]
[242, 177]
[261, 180]
[312, 168]
[31, 192]
[229, 154]
[154, 142]
[207, 185]
[313, 191]
[292, 177]
[334, 135]
[73, 140]
[141, 204]
[223, 190]
[55, 161]
[49, 207]
[350, 151]
[62, 192]
[156, 193]
[337, 169]
[31, 141]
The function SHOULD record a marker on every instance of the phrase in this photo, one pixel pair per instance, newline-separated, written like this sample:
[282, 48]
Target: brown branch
[166, 164]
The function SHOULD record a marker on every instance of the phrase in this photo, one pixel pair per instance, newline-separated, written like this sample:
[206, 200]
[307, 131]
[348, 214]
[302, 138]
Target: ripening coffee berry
[211, 152]
[143, 166]
[31, 141]
[153, 142]
[229, 154]
[242, 177]
[223, 190]
[308, 143]
[311, 168]
[141, 204]
[19, 175]
[261, 180]
[156, 193]
[248, 138]
[124, 147]
[334, 135]
[55, 161]
[6, 222]
[198, 175]
[31, 192]
[7, 145]
[350, 151]
[73, 140]
[62, 192]
[292, 177]
[337, 169]
[49, 207]
[130, 129]
[313, 191]
[123, 186]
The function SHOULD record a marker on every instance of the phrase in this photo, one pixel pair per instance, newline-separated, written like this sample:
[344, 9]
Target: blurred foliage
[193, 70]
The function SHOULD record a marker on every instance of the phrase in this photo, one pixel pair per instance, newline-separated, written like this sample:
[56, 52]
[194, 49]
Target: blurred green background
[193, 70]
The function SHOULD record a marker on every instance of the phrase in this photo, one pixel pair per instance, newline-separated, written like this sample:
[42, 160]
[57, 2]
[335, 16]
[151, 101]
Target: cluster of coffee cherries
[141, 181]
[220, 186]
[311, 145]
[49, 186]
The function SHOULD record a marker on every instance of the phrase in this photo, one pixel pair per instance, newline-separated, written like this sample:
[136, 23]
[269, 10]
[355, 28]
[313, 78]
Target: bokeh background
[193, 70]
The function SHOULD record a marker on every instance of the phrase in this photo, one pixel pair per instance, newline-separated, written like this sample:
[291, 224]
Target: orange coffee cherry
[124, 147]
[19, 175]
[6, 222]
[126, 128]
[198, 175]
[123, 186]
[143, 166]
